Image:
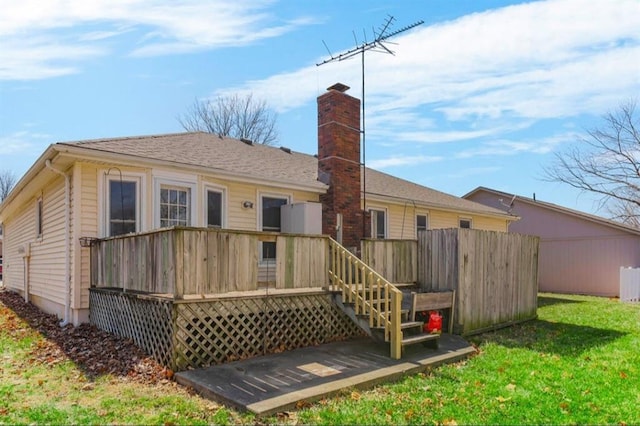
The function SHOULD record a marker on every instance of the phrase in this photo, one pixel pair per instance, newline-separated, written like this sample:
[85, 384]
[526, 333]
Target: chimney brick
[339, 159]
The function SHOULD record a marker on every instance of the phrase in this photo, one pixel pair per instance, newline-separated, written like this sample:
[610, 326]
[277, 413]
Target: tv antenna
[508, 205]
[383, 34]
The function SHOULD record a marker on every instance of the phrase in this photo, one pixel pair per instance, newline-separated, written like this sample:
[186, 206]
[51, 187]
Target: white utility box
[302, 218]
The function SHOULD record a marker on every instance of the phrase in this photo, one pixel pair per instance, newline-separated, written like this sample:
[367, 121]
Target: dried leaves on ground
[94, 351]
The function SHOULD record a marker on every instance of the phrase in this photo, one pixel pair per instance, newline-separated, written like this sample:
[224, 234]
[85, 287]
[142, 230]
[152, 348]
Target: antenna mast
[376, 45]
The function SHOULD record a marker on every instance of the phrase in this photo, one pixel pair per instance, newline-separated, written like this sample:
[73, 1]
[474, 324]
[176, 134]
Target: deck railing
[372, 296]
[185, 262]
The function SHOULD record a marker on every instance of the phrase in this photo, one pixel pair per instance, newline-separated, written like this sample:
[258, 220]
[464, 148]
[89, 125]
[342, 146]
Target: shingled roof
[261, 162]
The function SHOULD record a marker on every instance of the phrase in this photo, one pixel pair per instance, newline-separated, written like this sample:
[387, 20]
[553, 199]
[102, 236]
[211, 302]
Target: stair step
[424, 337]
[403, 313]
[411, 324]
[404, 325]
[404, 285]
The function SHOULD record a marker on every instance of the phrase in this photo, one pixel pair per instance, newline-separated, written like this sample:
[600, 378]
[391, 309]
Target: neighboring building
[101, 188]
[579, 253]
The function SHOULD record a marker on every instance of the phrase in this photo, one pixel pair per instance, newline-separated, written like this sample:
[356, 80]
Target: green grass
[579, 363]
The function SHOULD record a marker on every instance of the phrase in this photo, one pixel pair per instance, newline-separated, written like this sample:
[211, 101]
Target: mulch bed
[94, 351]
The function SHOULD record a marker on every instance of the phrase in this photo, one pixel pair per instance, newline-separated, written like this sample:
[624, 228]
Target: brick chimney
[339, 165]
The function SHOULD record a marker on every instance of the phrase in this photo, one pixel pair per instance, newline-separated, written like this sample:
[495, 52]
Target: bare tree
[7, 182]
[607, 162]
[234, 116]
[626, 213]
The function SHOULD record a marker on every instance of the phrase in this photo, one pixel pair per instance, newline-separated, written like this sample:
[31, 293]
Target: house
[107, 187]
[579, 252]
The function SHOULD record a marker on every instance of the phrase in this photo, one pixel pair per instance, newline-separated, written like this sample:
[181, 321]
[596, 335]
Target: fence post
[396, 331]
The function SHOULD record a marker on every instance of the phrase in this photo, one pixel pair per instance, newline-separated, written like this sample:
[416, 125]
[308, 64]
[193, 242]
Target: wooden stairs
[412, 331]
[380, 308]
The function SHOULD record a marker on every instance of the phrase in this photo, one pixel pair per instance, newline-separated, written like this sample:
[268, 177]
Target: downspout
[67, 250]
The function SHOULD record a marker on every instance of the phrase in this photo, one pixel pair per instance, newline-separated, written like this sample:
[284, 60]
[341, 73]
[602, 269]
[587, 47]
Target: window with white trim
[214, 208]
[422, 222]
[271, 222]
[122, 207]
[378, 224]
[465, 223]
[175, 206]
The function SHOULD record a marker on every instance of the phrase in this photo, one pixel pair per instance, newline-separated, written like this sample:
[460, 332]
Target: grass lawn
[578, 363]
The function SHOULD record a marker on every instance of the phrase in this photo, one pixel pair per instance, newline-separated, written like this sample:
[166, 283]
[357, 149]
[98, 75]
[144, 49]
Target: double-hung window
[271, 222]
[175, 206]
[123, 206]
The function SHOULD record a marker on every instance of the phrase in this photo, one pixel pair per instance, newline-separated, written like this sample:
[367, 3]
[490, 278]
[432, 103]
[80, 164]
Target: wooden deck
[278, 382]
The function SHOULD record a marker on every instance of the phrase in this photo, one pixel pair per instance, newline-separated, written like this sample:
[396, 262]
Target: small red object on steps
[434, 325]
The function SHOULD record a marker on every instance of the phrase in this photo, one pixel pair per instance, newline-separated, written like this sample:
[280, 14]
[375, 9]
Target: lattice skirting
[195, 334]
[148, 321]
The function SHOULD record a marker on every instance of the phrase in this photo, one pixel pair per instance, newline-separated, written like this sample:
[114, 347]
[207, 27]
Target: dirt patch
[94, 351]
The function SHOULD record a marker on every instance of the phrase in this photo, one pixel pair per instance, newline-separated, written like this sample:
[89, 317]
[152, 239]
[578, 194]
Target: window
[465, 223]
[214, 209]
[378, 224]
[175, 204]
[122, 207]
[421, 223]
[271, 222]
[39, 218]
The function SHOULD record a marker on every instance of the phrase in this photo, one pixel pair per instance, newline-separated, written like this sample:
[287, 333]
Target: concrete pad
[272, 383]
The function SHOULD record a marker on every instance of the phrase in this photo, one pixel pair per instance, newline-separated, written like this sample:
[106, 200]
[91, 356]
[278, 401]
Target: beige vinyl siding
[489, 224]
[46, 266]
[401, 220]
[86, 216]
[246, 219]
[18, 231]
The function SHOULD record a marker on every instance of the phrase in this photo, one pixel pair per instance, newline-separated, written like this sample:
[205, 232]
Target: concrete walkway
[274, 383]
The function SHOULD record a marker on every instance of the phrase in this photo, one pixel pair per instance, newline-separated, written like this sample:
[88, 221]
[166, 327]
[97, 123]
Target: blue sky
[482, 94]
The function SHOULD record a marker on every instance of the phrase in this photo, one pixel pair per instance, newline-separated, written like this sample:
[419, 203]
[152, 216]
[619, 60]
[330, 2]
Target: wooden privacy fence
[494, 274]
[195, 261]
[396, 260]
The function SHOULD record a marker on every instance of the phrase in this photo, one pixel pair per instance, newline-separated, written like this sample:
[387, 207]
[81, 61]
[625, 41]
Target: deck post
[396, 331]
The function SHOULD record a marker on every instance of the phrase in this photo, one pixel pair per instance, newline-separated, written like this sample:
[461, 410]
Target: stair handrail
[372, 295]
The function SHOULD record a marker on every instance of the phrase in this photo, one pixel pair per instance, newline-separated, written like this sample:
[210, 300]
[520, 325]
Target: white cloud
[21, 142]
[66, 30]
[488, 73]
[402, 160]
[504, 147]
[462, 173]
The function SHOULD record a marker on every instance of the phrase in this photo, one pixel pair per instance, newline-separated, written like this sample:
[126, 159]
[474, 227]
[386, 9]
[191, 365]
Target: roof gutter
[67, 243]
